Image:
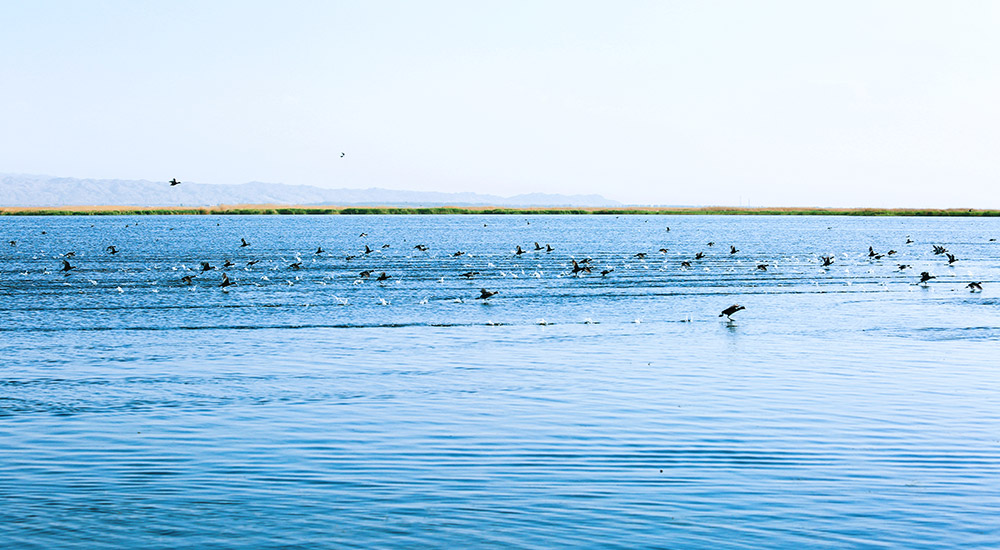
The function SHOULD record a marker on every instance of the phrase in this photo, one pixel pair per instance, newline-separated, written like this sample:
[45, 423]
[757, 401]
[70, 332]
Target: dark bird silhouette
[363, 235]
[733, 249]
[205, 266]
[538, 246]
[112, 250]
[319, 250]
[243, 242]
[827, 260]
[951, 258]
[421, 247]
[974, 286]
[187, 279]
[871, 252]
[228, 264]
[904, 266]
[342, 155]
[606, 271]
[486, 294]
[385, 246]
[365, 274]
[470, 274]
[699, 255]
[518, 251]
[711, 243]
[548, 248]
[296, 265]
[349, 257]
[924, 277]
[762, 267]
[457, 254]
[368, 250]
[663, 250]
[685, 263]
[70, 254]
[174, 182]
[577, 268]
[729, 311]
[225, 281]
[890, 253]
[640, 255]
[66, 266]
[909, 240]
[13, 243]
[939, 249]
[252, 262]
[383, 277]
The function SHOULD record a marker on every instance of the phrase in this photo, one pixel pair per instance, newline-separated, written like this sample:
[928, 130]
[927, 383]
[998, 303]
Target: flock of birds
[578, 268]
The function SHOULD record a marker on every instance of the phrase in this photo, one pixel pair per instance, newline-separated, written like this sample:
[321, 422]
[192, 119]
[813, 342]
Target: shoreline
[271, 209]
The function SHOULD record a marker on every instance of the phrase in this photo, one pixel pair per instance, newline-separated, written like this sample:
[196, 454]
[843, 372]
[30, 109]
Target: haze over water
[846, 407]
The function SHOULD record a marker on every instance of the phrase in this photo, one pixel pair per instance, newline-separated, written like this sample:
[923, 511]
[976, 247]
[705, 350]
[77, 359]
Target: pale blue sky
[775, 103]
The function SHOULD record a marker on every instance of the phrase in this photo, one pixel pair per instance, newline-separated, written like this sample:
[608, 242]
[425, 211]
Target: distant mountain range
[30, 190]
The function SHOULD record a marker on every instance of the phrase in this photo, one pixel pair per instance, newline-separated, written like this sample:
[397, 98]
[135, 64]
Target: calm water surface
[846, 407]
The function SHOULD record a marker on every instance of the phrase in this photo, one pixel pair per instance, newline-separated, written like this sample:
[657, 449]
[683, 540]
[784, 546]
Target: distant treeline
[294, 210]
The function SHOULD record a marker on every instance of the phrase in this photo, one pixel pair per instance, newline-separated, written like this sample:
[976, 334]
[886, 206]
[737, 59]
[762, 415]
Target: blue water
[845, 407]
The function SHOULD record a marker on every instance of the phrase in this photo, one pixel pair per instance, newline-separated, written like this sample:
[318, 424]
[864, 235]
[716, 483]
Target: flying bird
[243, 242]
[112, 250]
[924, 277]
[225, 281]
[383, 277]
[827, 260]
[733, 249]
[729, 311]
[205, 266]
[486, 294]
[951, 258]
[699, 255]
[975, 286]
[174, 182]
[66, 266]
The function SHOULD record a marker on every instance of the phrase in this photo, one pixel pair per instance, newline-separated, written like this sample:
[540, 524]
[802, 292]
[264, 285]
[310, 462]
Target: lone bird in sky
[733, 249]
[243, 242]
[486, 294]
[112, 250]
[174, 182]
[827, 260]
[729, 311]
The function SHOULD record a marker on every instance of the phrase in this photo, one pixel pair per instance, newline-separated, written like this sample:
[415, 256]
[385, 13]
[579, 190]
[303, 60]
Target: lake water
[845, 407]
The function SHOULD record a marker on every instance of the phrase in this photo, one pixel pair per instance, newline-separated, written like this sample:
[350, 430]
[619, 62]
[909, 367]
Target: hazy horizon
[850, 104]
